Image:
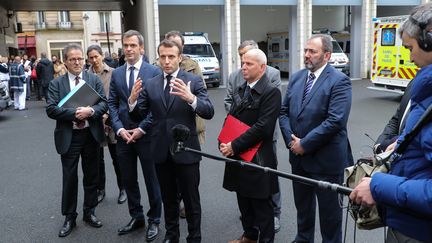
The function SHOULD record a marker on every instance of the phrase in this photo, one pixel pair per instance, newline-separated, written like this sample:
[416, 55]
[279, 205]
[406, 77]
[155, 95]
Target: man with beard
[313, 122]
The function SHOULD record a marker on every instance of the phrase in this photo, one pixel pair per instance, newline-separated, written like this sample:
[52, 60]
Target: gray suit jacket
[59, 88]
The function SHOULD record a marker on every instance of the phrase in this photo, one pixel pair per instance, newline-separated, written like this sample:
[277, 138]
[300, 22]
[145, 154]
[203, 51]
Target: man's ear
[180, 58]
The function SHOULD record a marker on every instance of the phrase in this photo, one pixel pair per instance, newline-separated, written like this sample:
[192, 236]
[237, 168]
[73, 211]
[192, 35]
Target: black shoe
[277, 226]
[122, 197]
[152, 232]
[92, 220]
[131, 226]
[100, 195]
[67, 227]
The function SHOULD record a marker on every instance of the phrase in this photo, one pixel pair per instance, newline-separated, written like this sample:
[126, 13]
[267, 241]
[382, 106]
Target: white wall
[191, 18]
[330, 17]
[257, 21]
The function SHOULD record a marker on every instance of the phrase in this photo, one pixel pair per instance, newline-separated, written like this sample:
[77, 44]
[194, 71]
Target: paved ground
[30, 179]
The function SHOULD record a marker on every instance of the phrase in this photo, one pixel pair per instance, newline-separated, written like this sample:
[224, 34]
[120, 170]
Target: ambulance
[198, 47]
[278, 52]
[391, 68]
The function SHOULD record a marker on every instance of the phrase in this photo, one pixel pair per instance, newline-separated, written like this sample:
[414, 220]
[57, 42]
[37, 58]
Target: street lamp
[85, 18]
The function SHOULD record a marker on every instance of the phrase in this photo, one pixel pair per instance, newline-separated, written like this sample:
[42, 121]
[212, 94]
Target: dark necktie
[167, 88]
[77, 78]
[131, 78]
[247, 92]
[308, 87]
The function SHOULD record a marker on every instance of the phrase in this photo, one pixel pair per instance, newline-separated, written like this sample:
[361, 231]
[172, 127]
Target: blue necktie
[308, 87]
[247, 92]
[131, 78]
[167, 88]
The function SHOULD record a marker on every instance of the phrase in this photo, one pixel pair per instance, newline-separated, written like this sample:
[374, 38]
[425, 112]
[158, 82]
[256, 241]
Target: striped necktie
[308, 87]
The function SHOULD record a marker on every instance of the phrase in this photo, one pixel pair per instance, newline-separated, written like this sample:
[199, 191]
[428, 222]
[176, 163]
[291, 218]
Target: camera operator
[404, 195]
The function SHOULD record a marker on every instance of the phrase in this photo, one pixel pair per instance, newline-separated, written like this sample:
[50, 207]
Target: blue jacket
[17, 77]
[405, 194]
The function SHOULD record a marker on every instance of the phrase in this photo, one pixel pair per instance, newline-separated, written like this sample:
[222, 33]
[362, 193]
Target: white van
[198, 47]
[278, 52]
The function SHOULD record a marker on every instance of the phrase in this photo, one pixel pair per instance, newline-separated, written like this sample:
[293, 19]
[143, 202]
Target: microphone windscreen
[180, 133]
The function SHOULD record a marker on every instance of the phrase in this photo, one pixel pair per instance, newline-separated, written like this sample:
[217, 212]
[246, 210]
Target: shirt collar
[318, 72]
[72, 76]
[174, 74]
[137, 65]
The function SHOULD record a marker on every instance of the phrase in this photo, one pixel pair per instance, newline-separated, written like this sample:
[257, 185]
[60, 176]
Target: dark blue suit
[127, 153]
[320, 122]
[181, 168]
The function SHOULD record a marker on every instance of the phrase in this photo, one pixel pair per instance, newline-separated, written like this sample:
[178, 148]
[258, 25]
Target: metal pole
[300, 179]
[107, 34]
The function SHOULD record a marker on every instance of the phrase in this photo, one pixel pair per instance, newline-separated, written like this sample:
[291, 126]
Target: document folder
[80, 96]
[232, 129]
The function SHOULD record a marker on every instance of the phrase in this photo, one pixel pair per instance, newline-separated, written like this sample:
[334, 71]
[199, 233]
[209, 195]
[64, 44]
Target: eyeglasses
[80, 59]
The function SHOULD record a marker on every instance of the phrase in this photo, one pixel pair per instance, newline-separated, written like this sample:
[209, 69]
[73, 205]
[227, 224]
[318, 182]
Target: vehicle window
[336, 47]
[202, 50]
[388, 37]
[275, 47]
[286, 44]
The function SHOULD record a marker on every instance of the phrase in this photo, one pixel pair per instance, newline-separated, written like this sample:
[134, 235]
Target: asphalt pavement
[30, 179]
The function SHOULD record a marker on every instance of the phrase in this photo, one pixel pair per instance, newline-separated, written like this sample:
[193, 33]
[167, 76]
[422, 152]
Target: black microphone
[180, 134]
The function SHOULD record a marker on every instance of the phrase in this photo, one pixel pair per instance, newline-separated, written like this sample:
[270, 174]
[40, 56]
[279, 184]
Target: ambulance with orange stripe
[391, 66]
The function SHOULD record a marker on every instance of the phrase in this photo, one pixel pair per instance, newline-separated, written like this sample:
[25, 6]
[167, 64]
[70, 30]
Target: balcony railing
[40, 26]
[64, 25]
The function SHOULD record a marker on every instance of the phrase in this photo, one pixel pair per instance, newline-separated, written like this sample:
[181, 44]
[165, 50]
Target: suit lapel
[318, 83]
[160, 87]
[65, 83]
[123, 85]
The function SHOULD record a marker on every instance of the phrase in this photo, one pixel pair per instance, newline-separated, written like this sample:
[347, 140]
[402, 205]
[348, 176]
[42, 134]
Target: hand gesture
[182, 90]
[136, 90]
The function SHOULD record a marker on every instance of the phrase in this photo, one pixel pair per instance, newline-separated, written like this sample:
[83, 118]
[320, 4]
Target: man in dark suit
[134, 137]
[256, 103]
[396, 124]
[78, 132]
[174, 97]
[313, 121]
[234, 81]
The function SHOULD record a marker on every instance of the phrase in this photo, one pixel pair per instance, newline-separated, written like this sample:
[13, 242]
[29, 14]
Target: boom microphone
[180, 134]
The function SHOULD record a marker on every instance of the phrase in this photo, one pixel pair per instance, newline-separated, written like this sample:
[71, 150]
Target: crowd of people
[28, 77]
[141, 103]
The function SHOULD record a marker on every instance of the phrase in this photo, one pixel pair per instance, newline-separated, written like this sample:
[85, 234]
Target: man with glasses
[79, 132]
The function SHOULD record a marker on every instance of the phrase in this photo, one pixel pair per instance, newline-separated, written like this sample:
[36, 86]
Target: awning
[26, 41]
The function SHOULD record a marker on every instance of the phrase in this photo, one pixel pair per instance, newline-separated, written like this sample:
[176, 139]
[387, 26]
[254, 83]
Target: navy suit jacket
[165, 116]
[119, 95]
[320, 122]
[57, 90]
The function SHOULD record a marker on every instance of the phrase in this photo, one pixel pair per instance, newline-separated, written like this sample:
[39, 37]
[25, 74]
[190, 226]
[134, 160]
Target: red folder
[231, 130]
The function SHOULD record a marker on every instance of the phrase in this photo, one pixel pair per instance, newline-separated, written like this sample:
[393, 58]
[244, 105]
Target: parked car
[4, 97]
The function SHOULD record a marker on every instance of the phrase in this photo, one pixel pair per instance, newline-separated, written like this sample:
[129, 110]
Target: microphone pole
[300, 179]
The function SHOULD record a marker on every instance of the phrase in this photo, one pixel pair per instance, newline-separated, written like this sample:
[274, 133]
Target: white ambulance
[391, 68]
[198, 47]
[278, 52]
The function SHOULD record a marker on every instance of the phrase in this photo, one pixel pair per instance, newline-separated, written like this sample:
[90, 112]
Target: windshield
[336, 47]
[202, 50]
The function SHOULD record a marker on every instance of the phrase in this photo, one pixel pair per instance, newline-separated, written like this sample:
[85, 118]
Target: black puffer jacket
[45, 71]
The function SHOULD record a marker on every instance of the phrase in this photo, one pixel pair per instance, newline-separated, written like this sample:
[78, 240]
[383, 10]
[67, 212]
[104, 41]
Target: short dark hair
[326, 42]
[94, 48]
[131, 33]
[70, 47]
[170, 43]
[174, 33]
